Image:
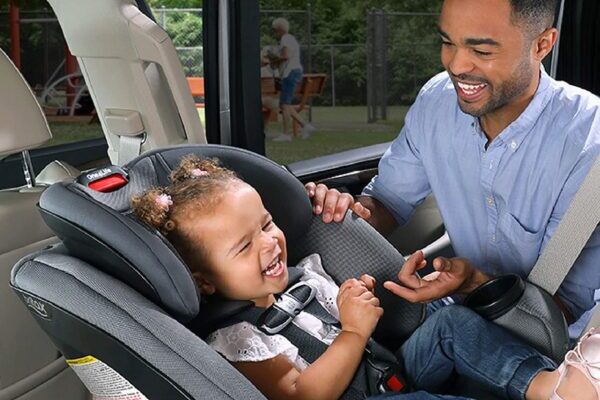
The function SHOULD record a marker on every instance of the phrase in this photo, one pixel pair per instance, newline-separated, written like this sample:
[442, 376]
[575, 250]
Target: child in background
[233, 247]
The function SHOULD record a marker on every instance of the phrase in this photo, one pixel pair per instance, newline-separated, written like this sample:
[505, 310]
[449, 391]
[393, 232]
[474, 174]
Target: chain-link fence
[184, 26]
[402, 54]
[399, 54]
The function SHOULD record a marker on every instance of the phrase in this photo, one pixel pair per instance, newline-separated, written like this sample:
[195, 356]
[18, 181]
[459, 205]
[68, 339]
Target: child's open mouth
[274, 269]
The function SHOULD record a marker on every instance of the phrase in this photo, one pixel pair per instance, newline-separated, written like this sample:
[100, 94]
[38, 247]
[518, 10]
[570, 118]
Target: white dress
[245, 342]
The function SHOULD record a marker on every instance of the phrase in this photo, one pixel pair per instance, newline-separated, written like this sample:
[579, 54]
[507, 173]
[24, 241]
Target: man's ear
[545, 42]
[206, 287]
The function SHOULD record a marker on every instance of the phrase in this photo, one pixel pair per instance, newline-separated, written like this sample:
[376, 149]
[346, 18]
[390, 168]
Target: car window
[54, 76]
[360, 69]
[182, 20]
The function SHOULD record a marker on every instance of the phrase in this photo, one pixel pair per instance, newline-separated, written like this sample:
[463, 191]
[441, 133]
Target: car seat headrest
[22, 122]
[98, 228]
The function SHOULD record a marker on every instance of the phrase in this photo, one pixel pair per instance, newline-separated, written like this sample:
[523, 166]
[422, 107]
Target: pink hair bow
[164, 201]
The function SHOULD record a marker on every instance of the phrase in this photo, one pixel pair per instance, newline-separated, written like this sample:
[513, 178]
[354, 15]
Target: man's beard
[503, 94]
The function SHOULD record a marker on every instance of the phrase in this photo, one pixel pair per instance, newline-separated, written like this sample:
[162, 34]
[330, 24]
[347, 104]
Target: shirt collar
[514, 134]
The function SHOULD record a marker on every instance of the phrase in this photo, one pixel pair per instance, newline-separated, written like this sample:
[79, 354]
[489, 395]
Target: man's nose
[460, 63]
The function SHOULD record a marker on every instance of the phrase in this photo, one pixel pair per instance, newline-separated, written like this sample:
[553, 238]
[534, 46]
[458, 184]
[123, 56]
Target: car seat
[118, 301]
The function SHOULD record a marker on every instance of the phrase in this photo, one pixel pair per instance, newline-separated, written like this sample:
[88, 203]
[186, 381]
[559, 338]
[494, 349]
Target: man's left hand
[451, 275]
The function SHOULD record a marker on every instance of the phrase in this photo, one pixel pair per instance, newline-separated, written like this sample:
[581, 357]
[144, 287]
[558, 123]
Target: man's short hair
[282, 24]
[534, 15]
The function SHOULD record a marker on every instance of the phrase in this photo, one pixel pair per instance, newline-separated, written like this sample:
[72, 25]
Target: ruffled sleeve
[245, 342]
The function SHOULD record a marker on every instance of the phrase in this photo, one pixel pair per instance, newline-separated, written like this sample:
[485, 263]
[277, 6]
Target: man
[501, 145]
[290, 71]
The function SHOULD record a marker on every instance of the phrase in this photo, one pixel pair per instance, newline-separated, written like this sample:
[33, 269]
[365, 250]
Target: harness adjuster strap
[286, 308]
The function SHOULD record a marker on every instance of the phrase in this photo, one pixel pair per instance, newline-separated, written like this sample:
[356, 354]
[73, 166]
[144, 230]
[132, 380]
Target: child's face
[246, 251]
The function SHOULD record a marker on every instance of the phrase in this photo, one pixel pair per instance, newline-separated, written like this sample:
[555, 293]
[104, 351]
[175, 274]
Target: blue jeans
[288, 86]
[456, 340]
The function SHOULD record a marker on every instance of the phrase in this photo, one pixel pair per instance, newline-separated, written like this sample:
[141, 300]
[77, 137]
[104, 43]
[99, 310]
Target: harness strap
[379, 370]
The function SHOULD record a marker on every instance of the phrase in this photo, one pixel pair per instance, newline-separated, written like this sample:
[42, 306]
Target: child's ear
[206, 287]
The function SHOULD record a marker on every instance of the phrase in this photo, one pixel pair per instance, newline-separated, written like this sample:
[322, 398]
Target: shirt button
[514, 145]
[493, 238]
[490, 201]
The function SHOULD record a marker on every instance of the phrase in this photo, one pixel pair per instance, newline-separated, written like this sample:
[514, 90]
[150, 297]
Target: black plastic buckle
[286, 308]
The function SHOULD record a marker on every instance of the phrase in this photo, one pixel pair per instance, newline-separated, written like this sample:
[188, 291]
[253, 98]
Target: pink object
[586, 358]
[197, 172]
[164, 201]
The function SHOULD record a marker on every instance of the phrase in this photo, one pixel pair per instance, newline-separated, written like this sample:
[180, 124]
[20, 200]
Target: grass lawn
[338, 129]
[66, 132]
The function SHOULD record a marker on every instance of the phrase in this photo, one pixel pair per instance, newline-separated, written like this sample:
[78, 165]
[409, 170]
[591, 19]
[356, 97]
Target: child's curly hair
[196, 186]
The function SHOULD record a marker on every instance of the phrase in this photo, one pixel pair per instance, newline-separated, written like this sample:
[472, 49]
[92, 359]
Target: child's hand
[369, 282]
[359, 308]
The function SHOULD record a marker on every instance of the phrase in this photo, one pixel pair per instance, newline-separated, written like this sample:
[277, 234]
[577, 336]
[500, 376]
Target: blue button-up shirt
[500, 204]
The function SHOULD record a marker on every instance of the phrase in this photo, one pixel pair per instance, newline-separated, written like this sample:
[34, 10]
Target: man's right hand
[332, 204]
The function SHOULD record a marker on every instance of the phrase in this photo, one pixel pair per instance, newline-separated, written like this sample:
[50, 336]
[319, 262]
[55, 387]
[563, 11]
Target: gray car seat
[117, 300]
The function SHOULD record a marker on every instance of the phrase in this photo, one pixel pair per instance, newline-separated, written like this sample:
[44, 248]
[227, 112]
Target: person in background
[290, 71]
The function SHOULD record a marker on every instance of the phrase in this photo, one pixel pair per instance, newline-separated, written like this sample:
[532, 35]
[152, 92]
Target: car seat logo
[99, 174]
[37, 306]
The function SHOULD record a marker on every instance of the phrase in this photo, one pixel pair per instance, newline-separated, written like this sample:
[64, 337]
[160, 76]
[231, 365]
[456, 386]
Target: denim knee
[455, 315]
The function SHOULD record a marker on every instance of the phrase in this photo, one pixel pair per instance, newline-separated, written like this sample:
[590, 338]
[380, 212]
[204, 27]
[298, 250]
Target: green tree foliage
[412, 43]
[185, 30]
[175, 3]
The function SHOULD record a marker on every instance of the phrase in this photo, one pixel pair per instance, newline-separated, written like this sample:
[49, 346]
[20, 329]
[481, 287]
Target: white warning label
[103, 382]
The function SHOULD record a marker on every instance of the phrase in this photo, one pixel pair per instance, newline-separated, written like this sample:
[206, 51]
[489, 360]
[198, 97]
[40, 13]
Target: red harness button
[395, 384]
[108, 184]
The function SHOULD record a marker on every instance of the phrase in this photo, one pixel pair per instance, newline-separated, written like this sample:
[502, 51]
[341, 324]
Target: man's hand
[454, 275]
[332, 204]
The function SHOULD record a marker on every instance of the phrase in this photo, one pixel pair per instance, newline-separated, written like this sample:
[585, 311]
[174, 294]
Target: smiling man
[501, 145]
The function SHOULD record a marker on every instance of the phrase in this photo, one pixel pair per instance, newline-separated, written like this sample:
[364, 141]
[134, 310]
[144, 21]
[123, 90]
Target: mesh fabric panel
[352, 248]
[538, 321]
[141, 177]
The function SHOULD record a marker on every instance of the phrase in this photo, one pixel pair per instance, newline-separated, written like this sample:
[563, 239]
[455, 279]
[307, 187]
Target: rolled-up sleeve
[401, 183]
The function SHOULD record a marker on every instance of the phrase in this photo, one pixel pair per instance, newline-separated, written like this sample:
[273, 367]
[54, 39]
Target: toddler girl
[233, 247]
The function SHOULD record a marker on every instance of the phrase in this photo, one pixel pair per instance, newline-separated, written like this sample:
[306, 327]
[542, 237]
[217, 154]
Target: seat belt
[130, 147]
[571, 235]
[379, 372]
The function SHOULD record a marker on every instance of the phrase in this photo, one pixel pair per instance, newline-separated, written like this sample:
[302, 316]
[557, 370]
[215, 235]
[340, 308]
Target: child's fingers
[369, 281]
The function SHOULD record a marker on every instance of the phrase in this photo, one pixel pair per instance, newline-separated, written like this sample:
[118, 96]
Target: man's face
[488, 58]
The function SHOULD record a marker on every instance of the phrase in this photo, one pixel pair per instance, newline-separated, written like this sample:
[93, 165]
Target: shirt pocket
[519, 247]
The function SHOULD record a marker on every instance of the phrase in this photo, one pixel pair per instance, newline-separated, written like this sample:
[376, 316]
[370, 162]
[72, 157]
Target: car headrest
[97, 227]
[22, 122]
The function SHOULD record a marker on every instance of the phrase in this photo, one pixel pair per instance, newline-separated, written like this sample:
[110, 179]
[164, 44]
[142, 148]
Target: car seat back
[122, 281]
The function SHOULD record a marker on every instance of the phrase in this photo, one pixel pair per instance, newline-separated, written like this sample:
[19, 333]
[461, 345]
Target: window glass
[361, 65]
[53, 74]
[51, 71]
[182, 20]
